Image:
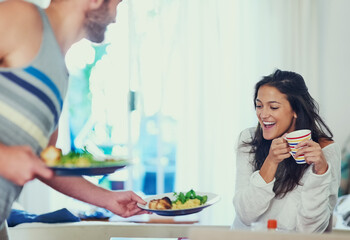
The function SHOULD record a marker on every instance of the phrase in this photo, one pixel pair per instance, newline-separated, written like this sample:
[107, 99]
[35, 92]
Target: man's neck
[66, 23]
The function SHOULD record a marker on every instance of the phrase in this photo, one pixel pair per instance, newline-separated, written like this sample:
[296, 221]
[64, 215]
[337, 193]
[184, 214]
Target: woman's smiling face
[274, 112]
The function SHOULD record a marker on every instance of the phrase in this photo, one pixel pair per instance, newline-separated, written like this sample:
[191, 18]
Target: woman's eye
[274, 108]
[258, 106]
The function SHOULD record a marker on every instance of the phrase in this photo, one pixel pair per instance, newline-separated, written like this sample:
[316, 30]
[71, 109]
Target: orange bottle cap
[272, 224]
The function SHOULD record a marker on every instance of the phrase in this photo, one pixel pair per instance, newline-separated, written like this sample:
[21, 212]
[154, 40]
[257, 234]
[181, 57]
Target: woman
[270, 185]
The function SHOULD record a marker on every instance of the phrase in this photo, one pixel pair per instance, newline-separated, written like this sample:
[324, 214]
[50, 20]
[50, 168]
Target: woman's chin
[269, 135]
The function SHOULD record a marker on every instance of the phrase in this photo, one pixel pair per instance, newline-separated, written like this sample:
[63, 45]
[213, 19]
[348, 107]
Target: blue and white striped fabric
[30, 103]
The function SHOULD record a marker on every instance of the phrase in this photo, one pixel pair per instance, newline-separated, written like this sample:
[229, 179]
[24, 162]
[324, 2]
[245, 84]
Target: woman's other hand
[313, 155]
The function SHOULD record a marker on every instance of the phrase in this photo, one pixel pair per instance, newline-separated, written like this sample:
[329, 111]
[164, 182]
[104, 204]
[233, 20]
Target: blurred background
[172, 86]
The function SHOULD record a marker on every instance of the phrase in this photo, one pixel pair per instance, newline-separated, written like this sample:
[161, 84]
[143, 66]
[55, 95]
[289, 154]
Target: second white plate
[212, 198]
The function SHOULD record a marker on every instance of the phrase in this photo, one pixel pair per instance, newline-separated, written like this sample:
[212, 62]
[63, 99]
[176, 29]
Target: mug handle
[291, 153]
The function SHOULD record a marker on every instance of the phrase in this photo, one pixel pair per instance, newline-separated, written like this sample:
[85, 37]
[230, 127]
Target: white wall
[335, 66]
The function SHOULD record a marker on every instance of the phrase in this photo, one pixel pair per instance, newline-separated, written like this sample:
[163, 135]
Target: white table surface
[93, 230]
[226, 234]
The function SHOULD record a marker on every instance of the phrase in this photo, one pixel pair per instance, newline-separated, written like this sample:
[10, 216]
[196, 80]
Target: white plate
[212, 198]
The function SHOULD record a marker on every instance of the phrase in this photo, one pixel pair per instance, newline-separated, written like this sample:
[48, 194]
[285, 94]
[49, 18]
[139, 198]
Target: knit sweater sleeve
[252, 194]
[319, 194]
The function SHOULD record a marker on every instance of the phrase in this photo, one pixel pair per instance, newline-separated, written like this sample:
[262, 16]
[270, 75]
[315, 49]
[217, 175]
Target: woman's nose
[264, 113]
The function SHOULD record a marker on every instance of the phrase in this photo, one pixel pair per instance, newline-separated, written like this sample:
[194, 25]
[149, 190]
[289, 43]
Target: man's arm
[121, 203]
[53, 138]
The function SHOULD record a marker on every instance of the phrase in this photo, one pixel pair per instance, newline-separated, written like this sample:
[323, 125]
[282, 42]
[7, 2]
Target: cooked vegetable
[54, 158]
[189, 195]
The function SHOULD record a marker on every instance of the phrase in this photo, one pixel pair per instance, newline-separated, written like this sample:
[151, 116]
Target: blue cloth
[99, 213]
[60, 216]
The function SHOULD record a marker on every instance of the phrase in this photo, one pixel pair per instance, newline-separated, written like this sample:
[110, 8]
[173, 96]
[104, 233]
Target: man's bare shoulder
[20, 24]
[18, 13]
[11, 8]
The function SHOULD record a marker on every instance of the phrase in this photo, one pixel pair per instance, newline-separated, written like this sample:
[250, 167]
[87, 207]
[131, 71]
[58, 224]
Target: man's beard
[96, 22]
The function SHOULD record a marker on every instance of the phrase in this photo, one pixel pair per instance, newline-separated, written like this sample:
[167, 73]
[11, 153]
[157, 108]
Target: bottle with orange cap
[272, 225]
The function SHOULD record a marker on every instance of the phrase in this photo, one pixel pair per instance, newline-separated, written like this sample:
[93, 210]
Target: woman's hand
[19, 164]
[313, 154]
[124, 203]
[279, 150]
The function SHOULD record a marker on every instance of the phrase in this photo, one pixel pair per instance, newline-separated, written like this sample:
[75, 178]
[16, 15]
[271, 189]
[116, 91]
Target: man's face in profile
[96, 21]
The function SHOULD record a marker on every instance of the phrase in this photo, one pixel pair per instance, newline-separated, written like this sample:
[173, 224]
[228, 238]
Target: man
[33, 82]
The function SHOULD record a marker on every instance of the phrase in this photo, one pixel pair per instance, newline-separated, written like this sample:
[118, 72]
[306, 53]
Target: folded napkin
[95, 213]
[60, 216]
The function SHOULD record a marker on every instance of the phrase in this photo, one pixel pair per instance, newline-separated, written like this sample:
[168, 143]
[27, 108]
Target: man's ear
[95, 4]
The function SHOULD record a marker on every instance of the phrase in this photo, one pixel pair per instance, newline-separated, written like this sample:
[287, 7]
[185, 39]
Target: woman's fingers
[305, 147]
[305, 143]
[279, 149]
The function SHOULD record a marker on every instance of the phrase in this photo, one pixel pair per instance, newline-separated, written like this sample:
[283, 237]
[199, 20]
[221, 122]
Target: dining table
[229, 234]
[143, 226]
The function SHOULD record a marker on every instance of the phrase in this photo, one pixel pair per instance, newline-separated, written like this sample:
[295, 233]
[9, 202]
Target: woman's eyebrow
[273, 101]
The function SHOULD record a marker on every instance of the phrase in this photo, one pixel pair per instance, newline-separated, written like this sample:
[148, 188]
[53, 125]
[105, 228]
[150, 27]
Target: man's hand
[124, 203]
[19, 164]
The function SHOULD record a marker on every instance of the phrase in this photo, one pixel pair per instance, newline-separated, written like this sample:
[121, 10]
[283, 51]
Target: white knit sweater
[305, 209]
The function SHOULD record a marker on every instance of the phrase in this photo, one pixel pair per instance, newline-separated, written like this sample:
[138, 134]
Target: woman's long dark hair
[291, 84]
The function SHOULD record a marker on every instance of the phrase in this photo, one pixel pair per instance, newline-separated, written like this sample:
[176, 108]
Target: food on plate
[182, 201]
[190, 203]
[160, 204]
[53, 157]
[188, 200]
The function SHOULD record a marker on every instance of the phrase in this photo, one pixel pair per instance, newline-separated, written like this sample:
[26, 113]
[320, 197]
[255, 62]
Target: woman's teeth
[269, 124]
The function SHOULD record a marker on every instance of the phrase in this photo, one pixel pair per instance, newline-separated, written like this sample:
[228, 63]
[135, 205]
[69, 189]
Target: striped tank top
[31, 100]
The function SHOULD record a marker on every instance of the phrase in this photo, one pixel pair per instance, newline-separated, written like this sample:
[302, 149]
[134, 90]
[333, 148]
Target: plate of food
[79, 163]
[179, 203]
